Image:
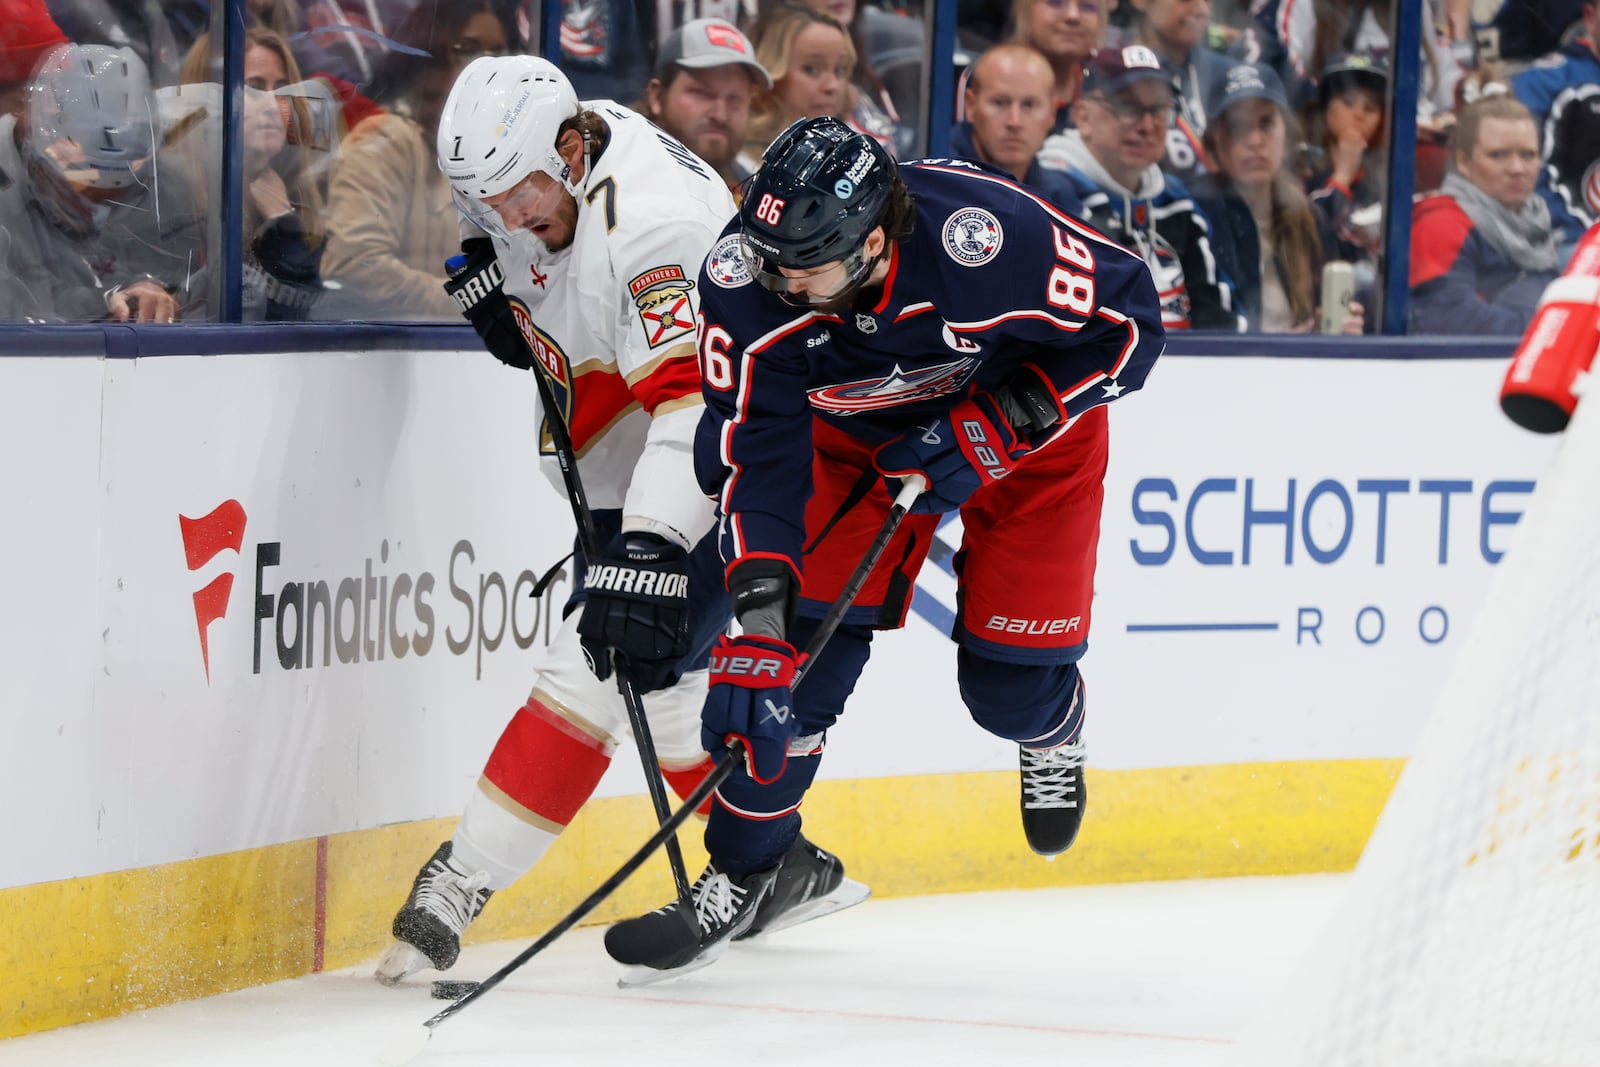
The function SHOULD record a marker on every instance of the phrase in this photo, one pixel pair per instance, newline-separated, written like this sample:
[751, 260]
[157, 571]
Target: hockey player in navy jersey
[862, 323]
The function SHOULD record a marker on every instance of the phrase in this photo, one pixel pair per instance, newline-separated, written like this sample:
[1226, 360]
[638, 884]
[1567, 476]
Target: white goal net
[1470, 932]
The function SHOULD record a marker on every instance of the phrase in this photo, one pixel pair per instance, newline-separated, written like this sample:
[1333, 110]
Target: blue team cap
[1247, 81]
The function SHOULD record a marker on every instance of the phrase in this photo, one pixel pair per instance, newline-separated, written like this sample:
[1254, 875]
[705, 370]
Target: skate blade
[400, 962]
[847, 894]
[640, 975]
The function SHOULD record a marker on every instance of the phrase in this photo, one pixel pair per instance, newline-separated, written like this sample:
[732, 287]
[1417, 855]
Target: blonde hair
[1469, 120]
[293, 162]
[774, 35]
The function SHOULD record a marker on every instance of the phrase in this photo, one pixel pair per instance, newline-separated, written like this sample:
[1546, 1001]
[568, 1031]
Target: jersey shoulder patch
[725, 266]
[972, 236]
[661, 295]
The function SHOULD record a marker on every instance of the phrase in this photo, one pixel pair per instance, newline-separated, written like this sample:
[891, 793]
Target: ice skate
[1053, 796]
[667, 943]
[444, 899]
[811, 883]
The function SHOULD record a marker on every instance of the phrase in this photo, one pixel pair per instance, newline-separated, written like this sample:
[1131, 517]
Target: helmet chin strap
[845, 295]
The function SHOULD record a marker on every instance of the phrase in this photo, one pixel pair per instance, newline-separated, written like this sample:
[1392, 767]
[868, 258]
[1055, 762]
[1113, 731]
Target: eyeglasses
[1085, 7]
[1129, 112]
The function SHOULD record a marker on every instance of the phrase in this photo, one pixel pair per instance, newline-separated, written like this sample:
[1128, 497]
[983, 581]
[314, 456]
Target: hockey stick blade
[414, 1043]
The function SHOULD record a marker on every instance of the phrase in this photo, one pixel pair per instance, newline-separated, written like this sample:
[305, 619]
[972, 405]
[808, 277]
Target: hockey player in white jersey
[584, 230]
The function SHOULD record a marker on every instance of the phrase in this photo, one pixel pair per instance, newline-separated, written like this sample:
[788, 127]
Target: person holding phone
[1264, 234]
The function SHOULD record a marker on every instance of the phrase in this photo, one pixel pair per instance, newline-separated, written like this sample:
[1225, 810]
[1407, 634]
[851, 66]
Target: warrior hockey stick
[411, 1043]
[567, 457]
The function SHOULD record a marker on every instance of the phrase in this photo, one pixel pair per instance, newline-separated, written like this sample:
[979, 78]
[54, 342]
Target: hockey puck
[443, 990]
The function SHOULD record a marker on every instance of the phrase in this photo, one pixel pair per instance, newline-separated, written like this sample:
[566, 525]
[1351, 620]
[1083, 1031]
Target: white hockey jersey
[611, 319]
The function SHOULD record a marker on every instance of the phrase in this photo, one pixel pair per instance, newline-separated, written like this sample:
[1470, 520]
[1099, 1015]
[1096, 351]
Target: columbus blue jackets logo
[725, 265]
[897, 387]
[972, 236]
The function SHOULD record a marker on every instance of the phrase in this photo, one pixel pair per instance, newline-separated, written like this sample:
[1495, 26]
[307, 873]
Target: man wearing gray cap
[700, 92]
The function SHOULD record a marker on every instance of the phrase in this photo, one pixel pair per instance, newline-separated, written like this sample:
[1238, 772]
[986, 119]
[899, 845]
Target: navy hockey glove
[476, 285]
[637, 602]
[977, 442]
[750, 700]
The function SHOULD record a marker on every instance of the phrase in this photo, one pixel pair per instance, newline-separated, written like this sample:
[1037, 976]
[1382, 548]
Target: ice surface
[1147, 975]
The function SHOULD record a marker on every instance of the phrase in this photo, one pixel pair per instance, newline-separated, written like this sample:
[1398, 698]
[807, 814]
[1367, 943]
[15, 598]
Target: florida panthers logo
[897, 387]
[725, 266]
[552, 363]
[972, 236]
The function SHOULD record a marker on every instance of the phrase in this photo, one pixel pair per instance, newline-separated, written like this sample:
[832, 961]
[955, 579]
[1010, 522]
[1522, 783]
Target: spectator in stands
[1010, 106]
[1483, 249]
[283, 209]
[1347, 191]
[875, 108]
[701, 92]
[1264, 233]
[1299, 38]
[1115, 155]
[810, 58]
[87, 232]
[1516, 31]
[1176, 31]
[27, 35]
[1560, 92]
[1067, 32]
[391, 221]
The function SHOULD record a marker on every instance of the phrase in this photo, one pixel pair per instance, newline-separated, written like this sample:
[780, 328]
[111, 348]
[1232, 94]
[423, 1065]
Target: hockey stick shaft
[567, 457]
[911, 489]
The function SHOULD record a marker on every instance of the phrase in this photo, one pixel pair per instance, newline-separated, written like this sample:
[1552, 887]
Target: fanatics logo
[204, 539]
[726, 266]
[972, 236]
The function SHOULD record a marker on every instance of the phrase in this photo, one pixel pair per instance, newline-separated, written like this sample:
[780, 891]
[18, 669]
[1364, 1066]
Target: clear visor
[524, 206]
[770, 277]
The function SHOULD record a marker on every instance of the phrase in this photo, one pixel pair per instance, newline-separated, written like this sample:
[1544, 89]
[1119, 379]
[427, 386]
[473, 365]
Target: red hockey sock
[546, 764]
[684, 780]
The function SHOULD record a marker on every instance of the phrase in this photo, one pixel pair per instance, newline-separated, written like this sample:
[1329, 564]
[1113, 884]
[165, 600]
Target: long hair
[292, 162]
[1296, 242]
[866, 75]
[774, 35]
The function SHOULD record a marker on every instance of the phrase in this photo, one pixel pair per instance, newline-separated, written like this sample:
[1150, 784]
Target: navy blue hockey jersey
[991, 279]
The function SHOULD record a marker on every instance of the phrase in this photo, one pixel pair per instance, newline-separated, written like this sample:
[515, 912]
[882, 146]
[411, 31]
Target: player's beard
[564, 220]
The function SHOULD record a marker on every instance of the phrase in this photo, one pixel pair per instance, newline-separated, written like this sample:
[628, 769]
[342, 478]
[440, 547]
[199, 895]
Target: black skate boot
[810, 884]
[667, 942]
[1053, 797]
[427, 928]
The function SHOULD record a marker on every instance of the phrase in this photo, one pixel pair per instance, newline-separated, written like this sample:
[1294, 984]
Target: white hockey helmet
[91, 114]
[500, 122]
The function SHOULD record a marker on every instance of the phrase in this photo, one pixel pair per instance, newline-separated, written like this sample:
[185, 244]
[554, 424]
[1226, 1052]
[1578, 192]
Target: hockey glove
[977, 442]
[637, 602]
[750, 700]
[476, 285]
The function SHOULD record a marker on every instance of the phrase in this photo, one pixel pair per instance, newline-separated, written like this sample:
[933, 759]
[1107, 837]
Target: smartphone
[1338, 289]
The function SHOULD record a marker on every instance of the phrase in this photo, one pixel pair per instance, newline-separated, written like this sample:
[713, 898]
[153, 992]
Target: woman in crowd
[811, 60]
[391, 221]
[1264, 233]
[1483, 249]
[283, 209]
[875, 106]
[1347, 184]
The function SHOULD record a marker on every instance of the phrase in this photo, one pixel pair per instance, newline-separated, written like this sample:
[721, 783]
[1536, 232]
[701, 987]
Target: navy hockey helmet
[821, 189]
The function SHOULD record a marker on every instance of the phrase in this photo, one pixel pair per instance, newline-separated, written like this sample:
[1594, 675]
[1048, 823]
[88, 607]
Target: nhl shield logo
[972, 236]
[725, 266]
[866, 323]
